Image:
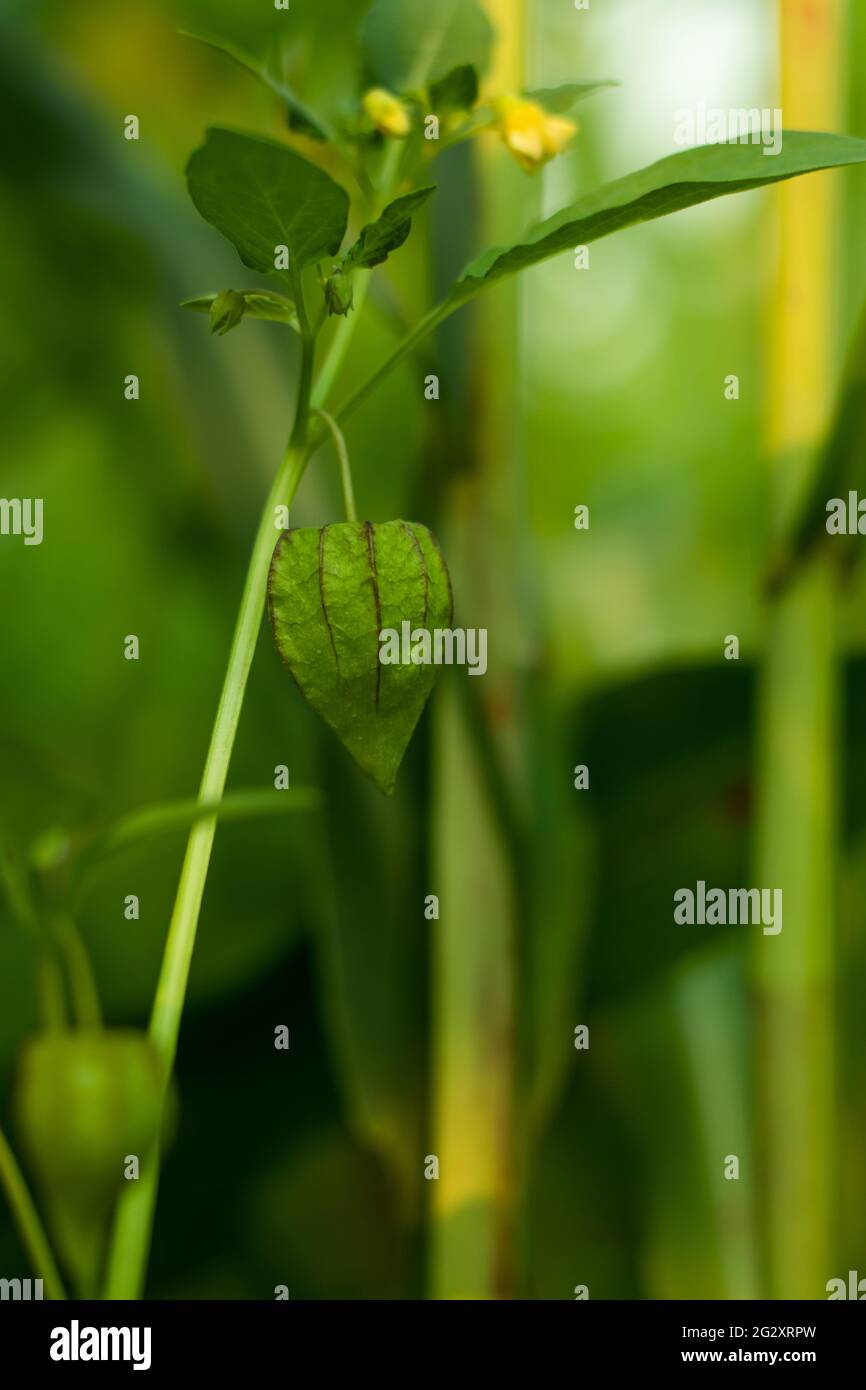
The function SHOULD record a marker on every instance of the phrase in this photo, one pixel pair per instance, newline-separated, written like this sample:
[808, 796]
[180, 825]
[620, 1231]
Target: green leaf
[679, 181]
[262, 195]
[561, 99]
[456, 91]
[300, 117]
[411, 43]
[331, 592]
[258, 304]
[378, 239]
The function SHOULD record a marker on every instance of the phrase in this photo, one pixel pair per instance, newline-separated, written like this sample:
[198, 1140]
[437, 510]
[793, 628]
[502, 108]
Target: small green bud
[226, 311]
[84, 1102]
[339, 292]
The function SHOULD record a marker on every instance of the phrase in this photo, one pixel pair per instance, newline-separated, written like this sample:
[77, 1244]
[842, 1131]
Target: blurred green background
[306, 1168]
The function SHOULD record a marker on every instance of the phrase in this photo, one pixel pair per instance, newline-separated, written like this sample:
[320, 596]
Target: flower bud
[339, 292]
[226, 311]
[84, 1102]
[387, 112]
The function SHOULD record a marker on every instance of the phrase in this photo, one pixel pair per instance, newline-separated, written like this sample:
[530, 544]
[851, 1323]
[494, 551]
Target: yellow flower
[531, 134]
[387, 112]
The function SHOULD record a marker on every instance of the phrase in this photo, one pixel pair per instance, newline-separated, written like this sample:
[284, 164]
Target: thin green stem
[339, 346]
[131, 1238]
[308, 352]
[17, 892]
[82, 984]
[49, 981]
[134, 1218]
[425, 326]
[26, 1219]
[49, 992]
[343, 457]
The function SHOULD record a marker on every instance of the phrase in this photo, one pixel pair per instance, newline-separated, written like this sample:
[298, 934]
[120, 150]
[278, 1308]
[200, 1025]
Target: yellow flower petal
[558, 133]
[530, 133]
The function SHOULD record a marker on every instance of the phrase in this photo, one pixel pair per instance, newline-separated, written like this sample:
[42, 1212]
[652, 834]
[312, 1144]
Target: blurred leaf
[262, 195]
[258, 304]
[679, 181]
[676, 1057]
[54, 849]
[410, 43]
[456, 91]
[562, 99]
[668, 812]
[331, 593]
[153, 821]
[372, 944]
[573, 1239]
[327, 1223]
[841, 467]
[300, 117]
[561, 909]
[378, 239]
[256, 912]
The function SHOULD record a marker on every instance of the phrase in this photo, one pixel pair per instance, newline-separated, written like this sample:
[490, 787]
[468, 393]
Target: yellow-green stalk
[792, 972]
[474, 950]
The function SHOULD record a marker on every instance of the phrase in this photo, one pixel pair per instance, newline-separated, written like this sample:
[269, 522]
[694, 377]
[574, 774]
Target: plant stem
[134, 1218]
[793, 971]
[428, 324]
[336, 354]
[27, 1220]
[85, 996]
[49, 992]
[49, 981]
[131, 1237]
[343, 459]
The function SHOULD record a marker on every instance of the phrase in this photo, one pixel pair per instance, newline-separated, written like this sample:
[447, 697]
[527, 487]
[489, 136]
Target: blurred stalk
[792, 972]
[85, 996]
[474, 953]
[27, 1221]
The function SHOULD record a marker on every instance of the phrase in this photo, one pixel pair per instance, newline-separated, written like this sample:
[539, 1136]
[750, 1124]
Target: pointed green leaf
[410, 43]
[562, 99]
[677, 182]
[299, 116]
[258, 304]
[331, 592]
[378, 239]
[262, 195]
[456, 91]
